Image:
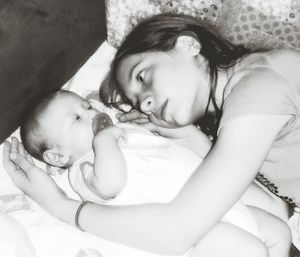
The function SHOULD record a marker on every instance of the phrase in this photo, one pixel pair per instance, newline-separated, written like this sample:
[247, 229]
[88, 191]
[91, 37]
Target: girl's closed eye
[141, 78]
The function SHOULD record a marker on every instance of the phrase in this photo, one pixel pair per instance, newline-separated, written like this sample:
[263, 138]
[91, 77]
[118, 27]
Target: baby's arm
[109, 176]
[228, 240]
[276, 233]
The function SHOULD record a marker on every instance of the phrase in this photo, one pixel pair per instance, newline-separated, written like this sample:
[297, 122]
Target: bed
[25, 229]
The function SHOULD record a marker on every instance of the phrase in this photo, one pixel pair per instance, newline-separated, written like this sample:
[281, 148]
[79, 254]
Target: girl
[176, 72]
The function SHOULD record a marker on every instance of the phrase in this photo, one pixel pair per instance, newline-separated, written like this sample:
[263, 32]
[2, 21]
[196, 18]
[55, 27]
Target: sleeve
[260, 91]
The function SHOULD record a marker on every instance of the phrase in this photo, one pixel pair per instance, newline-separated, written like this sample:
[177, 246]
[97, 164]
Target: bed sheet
[27, 230]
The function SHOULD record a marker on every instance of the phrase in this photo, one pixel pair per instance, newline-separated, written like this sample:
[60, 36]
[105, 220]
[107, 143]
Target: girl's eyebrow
[132, 70]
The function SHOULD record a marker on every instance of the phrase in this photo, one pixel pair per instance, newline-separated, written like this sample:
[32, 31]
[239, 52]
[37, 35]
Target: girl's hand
[135, 117]
[188, 136]
[33, 181]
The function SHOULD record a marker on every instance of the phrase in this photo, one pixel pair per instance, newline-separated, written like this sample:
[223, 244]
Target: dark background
[42, 45]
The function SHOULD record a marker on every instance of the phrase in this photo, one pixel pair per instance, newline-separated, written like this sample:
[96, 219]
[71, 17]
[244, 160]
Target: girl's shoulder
[274, 59]
[276, 69]
[282, 54]
[263, 85]
[255, 78]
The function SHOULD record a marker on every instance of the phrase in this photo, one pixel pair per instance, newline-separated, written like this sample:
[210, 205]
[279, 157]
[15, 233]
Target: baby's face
[68, 122]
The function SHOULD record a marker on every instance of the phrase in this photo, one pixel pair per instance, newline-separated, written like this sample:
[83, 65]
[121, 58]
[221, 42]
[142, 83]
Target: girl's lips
[161, 111]
[101, 121]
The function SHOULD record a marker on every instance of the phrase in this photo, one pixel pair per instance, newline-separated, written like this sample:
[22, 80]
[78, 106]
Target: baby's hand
[111, 132]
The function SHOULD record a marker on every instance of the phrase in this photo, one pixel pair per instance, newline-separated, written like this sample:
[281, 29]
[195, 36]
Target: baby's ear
[55, 158]
[189, 43]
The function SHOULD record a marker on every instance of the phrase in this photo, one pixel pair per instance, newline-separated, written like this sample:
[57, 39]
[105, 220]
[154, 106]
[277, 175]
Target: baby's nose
[147, 105]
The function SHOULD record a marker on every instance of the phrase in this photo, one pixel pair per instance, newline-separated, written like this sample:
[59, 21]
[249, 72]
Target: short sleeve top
[263, 83]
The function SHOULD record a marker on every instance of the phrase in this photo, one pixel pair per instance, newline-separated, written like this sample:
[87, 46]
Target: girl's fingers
[14, 145]
[140, 121]
[21, 149]
[17, 175]
[131, 116]
[30, 159]
[7, 163]
[149, 126]
[161, 123]
[165, 132]
[21, 162]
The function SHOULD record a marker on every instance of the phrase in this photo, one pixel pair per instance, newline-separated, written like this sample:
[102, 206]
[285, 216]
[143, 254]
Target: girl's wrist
[64, 209]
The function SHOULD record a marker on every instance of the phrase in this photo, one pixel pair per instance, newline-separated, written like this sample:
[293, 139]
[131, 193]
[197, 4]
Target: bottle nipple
[101, 121]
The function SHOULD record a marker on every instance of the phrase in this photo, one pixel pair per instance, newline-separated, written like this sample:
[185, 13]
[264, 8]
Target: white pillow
[89, 77]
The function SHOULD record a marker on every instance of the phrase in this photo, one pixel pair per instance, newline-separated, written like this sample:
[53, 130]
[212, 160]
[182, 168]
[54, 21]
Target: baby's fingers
[124, 135]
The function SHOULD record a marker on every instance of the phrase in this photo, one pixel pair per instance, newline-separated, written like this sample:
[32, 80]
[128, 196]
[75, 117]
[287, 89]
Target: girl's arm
[110, 174]
[175, 227]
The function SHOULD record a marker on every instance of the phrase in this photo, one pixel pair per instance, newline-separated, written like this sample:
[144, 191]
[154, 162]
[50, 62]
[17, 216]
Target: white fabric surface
[39, 234]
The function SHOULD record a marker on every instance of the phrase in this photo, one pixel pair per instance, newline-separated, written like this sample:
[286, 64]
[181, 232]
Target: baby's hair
[34, 141]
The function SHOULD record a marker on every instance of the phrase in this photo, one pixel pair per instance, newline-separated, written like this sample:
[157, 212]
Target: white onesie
[157, 169]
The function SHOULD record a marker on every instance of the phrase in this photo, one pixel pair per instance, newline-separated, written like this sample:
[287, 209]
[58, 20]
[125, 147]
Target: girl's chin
[175, 123]
[172, 122]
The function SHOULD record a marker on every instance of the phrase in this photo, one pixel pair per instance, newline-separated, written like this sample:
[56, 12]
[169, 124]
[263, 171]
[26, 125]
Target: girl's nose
[147, 105]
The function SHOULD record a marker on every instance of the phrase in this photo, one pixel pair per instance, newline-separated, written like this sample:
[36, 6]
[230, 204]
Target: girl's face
[172, 87]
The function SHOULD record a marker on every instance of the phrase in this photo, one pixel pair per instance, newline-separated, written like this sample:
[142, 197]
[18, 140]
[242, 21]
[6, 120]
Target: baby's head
[60, 129]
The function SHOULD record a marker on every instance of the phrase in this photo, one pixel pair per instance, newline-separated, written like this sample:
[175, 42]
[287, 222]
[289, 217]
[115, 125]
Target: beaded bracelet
[78, 213]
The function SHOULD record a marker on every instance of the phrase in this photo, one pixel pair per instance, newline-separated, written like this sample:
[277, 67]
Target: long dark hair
[159, 33]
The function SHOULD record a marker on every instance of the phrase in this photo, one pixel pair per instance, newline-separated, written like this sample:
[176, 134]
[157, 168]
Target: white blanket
[27, 231]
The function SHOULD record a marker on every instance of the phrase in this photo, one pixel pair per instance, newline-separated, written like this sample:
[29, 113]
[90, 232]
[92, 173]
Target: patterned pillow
[252, 23]
[260, 23]
[123, 15]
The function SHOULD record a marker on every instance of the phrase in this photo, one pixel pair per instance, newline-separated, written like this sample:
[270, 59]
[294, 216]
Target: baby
[65, 130]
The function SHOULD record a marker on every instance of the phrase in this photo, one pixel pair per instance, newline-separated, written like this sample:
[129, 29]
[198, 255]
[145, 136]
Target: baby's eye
[77, 117]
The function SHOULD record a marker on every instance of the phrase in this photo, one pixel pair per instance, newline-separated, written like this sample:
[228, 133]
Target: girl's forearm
[64, 209]
[126, 225]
